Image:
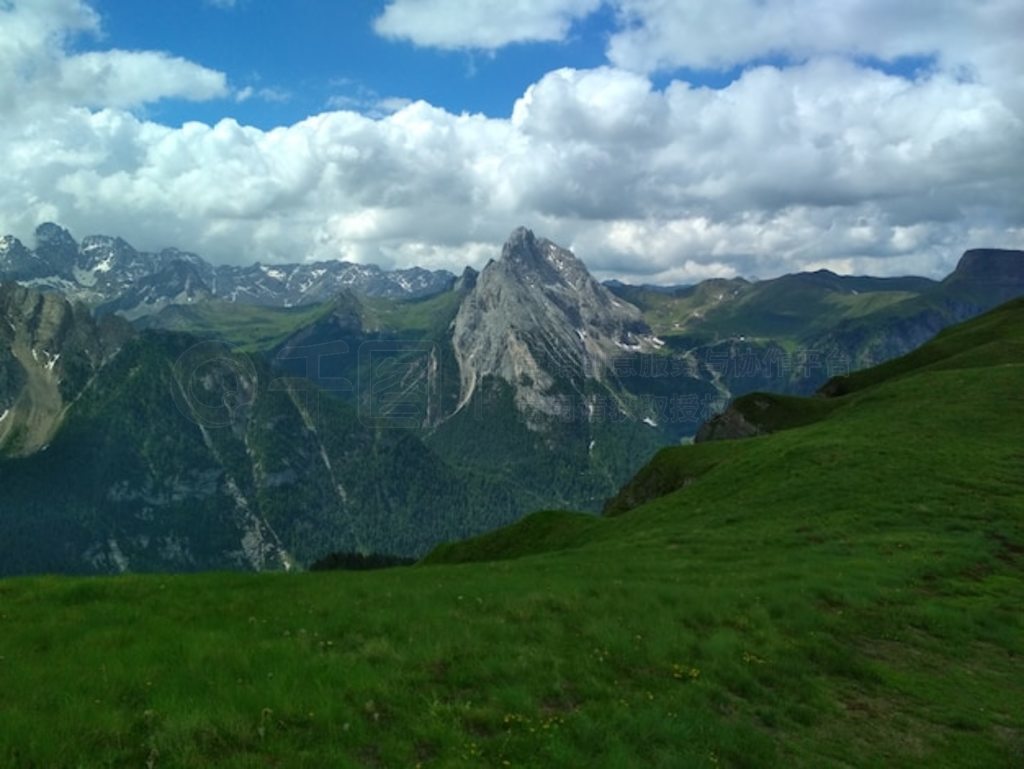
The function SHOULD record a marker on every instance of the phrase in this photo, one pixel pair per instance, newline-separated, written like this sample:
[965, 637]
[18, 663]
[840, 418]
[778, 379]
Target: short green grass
[786, 310]
[250, 327]
[427, 316]
[255, 328]
[844, 593]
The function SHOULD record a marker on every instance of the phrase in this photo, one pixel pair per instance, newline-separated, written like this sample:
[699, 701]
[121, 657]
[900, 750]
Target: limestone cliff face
[536, 319]
[49, 349]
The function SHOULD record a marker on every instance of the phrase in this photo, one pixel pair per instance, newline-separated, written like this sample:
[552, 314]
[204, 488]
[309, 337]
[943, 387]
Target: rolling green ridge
[845, 592]
[250, 327]
[259, 328]
[792, 306]
[737, 328]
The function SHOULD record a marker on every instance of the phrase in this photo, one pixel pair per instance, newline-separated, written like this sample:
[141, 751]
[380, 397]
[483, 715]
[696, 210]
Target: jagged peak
[49, 233]
[466, 281]
[521, 246]
[11, 243]
[536, 260]
[521, 235]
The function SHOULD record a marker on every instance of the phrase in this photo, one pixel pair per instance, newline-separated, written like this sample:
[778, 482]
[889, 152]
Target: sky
[664, 141]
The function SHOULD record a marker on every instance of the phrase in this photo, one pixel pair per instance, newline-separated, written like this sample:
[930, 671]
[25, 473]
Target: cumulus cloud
[480, 24]
[132, 78]
[970, 40]
[37, 72]
[973, 40]
[663, 34]
[827, 162]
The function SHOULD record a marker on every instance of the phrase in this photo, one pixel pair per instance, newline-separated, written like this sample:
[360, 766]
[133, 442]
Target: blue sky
[315, 54]
[665, 141]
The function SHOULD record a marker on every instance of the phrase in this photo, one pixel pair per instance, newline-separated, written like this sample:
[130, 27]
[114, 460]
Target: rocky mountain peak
[53, 235]
[521, 246]
[14, 257]
[104, 253]
[467, 280]
[537, 320]
[55, 246]
[9, 243]
[19, 263]
[538, 260]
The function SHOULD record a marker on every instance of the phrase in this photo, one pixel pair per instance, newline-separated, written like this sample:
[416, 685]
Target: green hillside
[789, 307]
[249, 326]
[255, 327]
[246, 471]
[842, 593]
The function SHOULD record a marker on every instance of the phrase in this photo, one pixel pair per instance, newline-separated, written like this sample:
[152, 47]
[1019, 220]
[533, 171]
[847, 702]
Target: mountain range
[111, 275]
[206, 417]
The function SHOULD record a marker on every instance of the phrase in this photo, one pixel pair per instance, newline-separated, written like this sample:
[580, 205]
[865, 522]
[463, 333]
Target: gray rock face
[537, 320]
[49, 349]
[18, 263]
[180, 282]
[56, 247]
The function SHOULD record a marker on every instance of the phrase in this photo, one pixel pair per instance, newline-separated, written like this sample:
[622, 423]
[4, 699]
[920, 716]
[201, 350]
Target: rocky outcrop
[731, 424]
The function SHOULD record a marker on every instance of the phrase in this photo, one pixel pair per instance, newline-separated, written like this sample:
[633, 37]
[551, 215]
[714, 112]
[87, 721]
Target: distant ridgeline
[202, 417]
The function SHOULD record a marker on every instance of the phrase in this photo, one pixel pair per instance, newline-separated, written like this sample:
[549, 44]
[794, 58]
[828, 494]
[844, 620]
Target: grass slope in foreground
[845, 593]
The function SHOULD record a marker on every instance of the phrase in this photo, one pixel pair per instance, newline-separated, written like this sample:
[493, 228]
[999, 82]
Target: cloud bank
[816, 159]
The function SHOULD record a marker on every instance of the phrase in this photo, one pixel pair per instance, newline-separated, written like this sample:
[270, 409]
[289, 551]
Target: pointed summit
[522, 250]
[466, 281]
[56, 247]
[53, 235]
[539, 261]
[537, 320]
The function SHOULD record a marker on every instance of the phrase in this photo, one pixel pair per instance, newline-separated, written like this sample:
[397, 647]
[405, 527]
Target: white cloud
[133, 78]
[823, 163]
[480, 24]
[267, 94]
[968, 38]
[965, 38]
[37, 72]
[662, 34]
